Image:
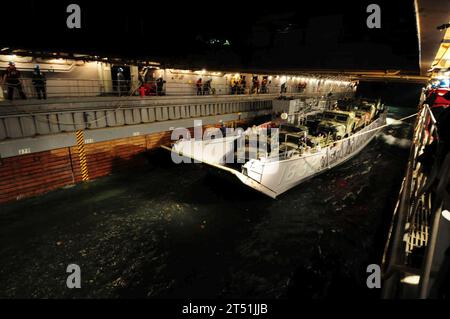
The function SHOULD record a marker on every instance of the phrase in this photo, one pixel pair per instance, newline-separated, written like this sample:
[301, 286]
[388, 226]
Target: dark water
[177, 231]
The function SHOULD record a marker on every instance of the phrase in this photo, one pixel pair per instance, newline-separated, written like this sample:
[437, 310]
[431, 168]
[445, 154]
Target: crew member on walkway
[11, 79]
[255, 86]
[283, 88]
[242, 84]
[233, 85]
[207, 87]
[223, 128]
[160, 85]
[120, 81]
[199, 86]
[264, 84]
[40, 83]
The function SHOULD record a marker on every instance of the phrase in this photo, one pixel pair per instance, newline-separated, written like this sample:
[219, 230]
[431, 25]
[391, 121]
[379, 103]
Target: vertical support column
[82, 156]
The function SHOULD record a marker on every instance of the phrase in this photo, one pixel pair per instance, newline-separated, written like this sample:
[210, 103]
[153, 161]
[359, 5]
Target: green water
[171, 230]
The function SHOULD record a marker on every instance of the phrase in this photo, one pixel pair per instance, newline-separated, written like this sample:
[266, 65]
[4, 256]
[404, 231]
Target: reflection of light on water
[400, 142]
[391, 121]
[105, 195]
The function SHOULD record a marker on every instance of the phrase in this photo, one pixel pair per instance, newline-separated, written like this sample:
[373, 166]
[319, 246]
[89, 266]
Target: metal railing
[31, 124]
[413, 254]
[70, 87]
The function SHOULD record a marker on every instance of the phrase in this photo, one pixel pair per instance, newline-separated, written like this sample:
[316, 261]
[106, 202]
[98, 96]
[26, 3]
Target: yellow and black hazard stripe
[82, 155]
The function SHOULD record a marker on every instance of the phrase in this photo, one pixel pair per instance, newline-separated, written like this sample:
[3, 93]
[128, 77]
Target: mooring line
[371, 130]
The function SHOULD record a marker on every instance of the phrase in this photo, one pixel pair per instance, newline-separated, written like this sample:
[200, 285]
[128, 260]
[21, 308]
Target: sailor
[223, 128]
[120, 81]
[301, 87]
[199, 86]
[12, 80]
[255, 87]
[40, 83]
[243, 84]
[233, 84]
[207, 87]
[141, 78]
[264, 84]
[159, 86]
[283, 88]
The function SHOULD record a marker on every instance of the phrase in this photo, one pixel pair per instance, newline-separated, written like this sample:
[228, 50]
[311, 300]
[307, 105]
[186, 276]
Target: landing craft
[318, 141]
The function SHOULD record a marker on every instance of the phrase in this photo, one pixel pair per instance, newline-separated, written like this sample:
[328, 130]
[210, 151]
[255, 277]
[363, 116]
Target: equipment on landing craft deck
[339, 124]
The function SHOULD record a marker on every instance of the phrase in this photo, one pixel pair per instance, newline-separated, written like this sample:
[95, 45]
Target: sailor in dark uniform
[11, 78]
[39, 82]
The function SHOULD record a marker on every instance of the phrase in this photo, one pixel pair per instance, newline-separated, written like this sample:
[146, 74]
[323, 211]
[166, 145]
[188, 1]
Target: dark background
[392, 93]
[262, 35]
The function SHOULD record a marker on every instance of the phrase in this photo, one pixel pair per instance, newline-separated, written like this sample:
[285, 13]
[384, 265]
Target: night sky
[235, 34]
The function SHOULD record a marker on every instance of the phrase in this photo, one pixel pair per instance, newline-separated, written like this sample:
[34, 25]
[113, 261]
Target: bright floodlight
[411, 280]
[446, 214]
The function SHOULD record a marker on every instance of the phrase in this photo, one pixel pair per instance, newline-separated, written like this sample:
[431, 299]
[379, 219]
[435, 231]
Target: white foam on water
[392, 140]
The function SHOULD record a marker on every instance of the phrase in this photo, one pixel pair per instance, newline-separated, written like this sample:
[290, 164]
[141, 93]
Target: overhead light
[411, 280]
[446, 214]
[4, 49]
